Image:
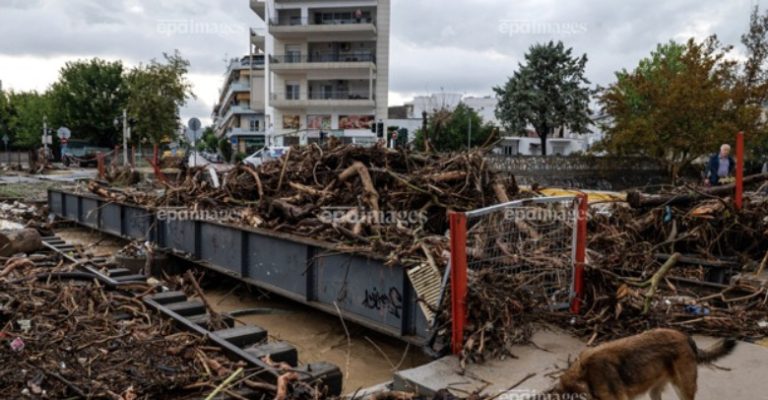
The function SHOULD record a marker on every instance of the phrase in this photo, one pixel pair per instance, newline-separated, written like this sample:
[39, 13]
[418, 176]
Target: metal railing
[323, 57]
[304, 21]
[325, 95]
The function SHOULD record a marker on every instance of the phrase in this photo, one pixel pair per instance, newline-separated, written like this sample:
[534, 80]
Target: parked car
[265, 154]
[81, 154]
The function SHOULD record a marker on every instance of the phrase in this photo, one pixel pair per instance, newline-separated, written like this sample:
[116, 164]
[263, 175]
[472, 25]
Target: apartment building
[326, 68]
[239, 113]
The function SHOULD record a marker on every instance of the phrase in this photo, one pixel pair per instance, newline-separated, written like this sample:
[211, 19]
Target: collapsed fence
[538, 243]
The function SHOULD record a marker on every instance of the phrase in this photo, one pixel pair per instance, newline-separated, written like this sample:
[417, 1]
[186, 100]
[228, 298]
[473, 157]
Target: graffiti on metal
[391, 301]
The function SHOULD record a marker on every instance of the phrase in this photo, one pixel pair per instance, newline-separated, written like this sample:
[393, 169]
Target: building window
[254, 125]
[511, 148]
[534, 149]
[292, 91]
[558, 148]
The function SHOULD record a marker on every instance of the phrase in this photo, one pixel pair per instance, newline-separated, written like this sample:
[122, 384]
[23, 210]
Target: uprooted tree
[548, 92]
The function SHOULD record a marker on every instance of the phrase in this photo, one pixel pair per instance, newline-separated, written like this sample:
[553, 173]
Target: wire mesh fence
[538, 243]
[532, 240]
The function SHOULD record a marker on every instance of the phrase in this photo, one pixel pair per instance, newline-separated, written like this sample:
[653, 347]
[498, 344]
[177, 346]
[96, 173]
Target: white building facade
[239, 114]
[326, 68]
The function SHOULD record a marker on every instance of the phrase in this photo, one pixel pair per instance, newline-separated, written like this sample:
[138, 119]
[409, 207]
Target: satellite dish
[64, 133]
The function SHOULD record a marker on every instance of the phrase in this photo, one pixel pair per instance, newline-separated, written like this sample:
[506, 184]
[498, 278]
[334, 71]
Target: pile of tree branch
[65, 338]
[374, 200]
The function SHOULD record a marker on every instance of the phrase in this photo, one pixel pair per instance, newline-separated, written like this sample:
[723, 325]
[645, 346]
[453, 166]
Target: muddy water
[320, 337]
[317, 336]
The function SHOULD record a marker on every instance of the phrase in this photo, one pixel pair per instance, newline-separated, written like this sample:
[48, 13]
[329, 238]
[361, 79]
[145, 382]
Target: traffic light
[380, 129]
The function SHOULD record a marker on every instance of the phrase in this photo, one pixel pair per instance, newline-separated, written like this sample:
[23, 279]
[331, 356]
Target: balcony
[316, 61]
[236, 110]
[258, 40]
[236, 87]
[320, 98]
[291, 27]
[242, 132]
[260, 8]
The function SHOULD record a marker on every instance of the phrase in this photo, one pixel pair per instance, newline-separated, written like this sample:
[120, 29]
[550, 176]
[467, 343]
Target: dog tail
[713, 353]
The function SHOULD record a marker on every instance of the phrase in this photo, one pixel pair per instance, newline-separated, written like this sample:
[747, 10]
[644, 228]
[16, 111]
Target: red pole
[458, 223]
[154, 155]
[100, 164]
[737, 199]
[580, 253]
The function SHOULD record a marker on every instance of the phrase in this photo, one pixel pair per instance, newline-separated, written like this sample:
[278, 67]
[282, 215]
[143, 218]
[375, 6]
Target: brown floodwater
[368, 359]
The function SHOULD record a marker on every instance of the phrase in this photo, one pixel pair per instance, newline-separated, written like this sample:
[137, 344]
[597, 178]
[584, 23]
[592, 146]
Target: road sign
[194, 124]
[63, 133]
[193, 131]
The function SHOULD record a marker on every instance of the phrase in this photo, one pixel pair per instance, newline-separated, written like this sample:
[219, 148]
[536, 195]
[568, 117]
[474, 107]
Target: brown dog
[626, 368]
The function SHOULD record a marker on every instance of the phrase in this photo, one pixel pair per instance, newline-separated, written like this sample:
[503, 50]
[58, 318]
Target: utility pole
[45, 134]
[126, 133]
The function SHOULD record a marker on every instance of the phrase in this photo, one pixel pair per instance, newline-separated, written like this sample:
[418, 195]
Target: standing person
[721, 165]
[359, 15]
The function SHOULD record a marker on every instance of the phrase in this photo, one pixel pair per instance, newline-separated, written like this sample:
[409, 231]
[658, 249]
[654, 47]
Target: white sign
[64, 133]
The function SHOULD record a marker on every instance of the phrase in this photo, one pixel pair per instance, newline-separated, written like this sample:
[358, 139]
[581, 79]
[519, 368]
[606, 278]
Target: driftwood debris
[19, 241]
[640, 200]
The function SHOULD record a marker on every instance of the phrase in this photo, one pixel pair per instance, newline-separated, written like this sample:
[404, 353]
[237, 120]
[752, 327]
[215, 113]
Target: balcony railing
[325, 95]
[324, 57]
[302, 21]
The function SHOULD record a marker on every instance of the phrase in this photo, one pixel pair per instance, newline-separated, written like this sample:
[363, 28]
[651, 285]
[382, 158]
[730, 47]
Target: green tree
[5, 115]
[87, 97]
[450, 130]
[677, 105]
[208, 141]
[751, 91]
[548, 91]
[156, 91]
[27, 111]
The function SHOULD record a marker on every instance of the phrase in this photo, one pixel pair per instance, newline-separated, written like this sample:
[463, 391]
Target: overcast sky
[465, 46]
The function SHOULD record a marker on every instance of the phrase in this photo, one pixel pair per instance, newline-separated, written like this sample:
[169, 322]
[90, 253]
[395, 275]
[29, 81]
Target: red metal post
[100, 164]
[580, 253]
[155, 158]
[458, 222]
[737, 199]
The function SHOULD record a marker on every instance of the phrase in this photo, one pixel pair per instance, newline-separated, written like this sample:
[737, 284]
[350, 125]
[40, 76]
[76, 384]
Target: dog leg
[656, 392]
[684, 382]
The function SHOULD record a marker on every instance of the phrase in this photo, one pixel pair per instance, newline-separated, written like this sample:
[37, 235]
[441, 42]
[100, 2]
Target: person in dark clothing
[721, 165]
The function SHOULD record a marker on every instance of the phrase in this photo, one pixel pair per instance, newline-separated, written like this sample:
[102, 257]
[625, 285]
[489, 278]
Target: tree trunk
[19, 241]
[543, 136]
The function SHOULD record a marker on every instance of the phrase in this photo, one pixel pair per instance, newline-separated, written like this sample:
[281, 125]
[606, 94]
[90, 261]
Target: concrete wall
[589, 172]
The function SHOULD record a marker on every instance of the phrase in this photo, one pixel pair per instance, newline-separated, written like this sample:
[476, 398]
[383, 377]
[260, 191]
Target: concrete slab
[744, 378]
[554, 349]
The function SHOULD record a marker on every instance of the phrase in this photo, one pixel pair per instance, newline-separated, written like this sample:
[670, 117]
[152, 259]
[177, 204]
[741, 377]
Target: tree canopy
[448, 130]
[87, 98]
[155, 93]
[548, 91]
[26, 112]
